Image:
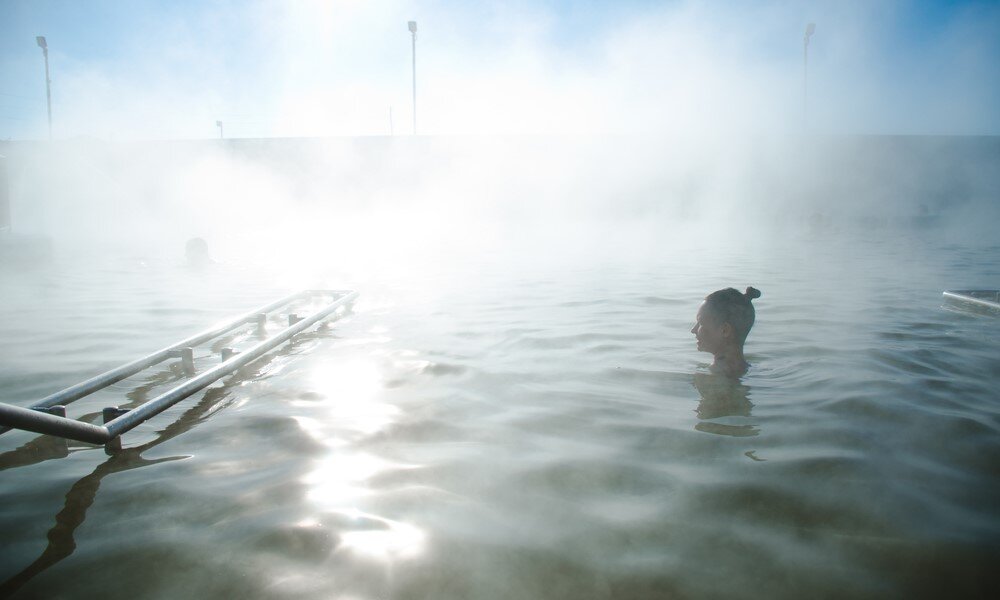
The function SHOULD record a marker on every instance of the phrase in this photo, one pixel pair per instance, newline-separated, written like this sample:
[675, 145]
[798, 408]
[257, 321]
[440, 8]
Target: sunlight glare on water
[552, 425]
[349, 393]
[515, 407]
[383, 539]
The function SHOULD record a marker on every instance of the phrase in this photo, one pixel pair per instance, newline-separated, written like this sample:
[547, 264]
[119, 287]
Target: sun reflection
[337, 485]
[339, 479]
[356, 379]
[308, 523]
[383, 539]
[351, 390]
[344, 407]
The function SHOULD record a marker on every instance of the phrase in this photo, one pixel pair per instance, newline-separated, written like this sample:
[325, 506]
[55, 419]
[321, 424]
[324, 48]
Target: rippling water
[497, 427]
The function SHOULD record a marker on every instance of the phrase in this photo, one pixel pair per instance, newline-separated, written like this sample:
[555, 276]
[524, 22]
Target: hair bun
[752, 293]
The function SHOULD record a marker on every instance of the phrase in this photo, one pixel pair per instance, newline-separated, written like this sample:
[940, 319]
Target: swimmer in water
[723, 323]
[196, 252]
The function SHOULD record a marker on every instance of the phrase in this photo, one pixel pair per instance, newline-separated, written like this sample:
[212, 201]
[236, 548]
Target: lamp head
[810, 29]
[40, 40]
[413, 26]
[218, 123]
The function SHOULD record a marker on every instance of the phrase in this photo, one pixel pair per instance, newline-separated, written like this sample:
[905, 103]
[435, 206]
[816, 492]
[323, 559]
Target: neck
[730, 362]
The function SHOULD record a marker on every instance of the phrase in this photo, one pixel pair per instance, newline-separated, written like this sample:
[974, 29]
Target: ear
[727, 330]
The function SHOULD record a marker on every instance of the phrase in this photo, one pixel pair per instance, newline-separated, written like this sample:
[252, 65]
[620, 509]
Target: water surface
[521, 424]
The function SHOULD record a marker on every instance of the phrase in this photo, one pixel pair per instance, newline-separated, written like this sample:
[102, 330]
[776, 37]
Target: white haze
[655, 127]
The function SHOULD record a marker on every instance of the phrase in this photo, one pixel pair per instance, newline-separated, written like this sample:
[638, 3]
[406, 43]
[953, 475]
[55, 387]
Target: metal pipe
[40, 40]
[414, 83]
[810, 29]
[412, 25]
[164, 401]
[103, 380]
[41, 422]
[48, 92]
[966, 297]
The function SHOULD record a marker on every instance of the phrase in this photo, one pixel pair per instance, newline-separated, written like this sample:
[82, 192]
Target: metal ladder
[48, 415]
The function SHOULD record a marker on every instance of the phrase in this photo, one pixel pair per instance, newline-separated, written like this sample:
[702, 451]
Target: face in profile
[708, 331]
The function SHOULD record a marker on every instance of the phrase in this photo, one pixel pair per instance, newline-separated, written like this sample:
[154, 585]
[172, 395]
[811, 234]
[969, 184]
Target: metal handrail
[39, 420]
[983, 298]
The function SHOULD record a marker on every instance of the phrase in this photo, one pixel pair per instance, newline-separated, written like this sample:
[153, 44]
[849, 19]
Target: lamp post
[40, 40]
[413, 31]
[810, 30]
[219, 125]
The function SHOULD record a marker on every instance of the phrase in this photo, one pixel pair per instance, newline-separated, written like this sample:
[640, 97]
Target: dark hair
[730, 306]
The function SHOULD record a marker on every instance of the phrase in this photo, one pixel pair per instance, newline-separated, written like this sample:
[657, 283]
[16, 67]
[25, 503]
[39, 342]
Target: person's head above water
[722, 325]
[196, 252]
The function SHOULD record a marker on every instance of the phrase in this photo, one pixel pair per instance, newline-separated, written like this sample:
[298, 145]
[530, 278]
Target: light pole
[413, 31]
[810, 30]
[40, 40]
[219, 125]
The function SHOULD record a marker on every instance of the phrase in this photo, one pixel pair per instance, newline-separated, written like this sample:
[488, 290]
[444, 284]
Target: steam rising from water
[579, 191]
[405, 203]
[664, 135]
[643, 126]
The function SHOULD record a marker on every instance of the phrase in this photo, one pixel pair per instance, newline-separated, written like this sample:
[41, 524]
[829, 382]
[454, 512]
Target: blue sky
[165, 70]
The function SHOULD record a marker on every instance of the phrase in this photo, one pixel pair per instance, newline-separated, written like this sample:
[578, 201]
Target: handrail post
[187, 361]
[58, 411]
[109, 414]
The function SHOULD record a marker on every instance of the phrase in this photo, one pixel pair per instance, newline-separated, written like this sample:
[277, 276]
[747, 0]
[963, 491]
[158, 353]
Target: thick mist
[545, 130]
[399, 197]
[515, 402]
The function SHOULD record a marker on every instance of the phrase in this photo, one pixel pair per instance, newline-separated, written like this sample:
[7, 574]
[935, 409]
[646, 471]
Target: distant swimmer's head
[196, 252]
[722, 325]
